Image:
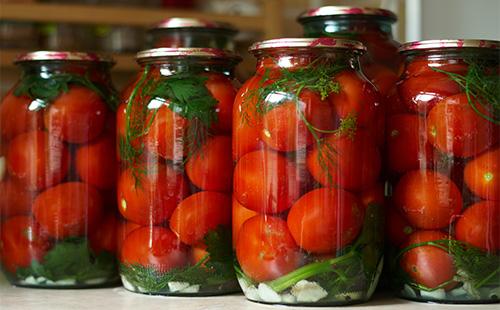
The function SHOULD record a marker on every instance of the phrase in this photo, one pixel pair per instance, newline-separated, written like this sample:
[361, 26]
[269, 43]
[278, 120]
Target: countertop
[117, 299]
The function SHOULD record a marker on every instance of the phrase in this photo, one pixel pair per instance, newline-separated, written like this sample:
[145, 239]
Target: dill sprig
[482, 90]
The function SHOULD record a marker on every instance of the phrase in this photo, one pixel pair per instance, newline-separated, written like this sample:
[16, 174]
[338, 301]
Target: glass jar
[58, 172]
[307, 187]
[174, 188]
[444, 159]
[192, 32]
[371, 26]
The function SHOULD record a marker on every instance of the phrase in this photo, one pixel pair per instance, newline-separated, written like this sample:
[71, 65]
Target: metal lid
[346, 10]
[326, 42]
[202, 52]
[440, 44]
[62, 55]
[185, 22]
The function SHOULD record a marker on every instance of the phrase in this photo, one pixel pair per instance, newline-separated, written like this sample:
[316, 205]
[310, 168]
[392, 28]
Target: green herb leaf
[72, 259]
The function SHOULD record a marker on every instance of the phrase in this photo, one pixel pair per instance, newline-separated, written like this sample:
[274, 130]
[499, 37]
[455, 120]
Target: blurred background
[118, 26]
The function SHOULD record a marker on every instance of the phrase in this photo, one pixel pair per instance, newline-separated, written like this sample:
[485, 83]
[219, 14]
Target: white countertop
[117, 299]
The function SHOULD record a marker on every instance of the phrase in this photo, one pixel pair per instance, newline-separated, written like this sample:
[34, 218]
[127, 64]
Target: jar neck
[483, 55]
[167, 67]
[96, 71]
[350, 25]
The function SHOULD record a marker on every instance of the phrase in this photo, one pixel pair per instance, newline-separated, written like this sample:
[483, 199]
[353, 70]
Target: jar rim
[325, 42]
[188, 22]
[175, 52]
[63, 56]
[448, 44]
[333, 10]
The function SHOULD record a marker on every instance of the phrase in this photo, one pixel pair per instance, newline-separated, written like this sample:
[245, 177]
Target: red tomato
[351, 163]
[397, 227]
[422, 66]
[479, 226]
[266, 182]
[394, 104]
[200, 213]
[151, 197]
[68, 209]
[319, 113]
[240, 215]
[428, 200]
[211, 167]
[166, 135]
[384, 78]
[104, 236]
[325, 220]
[407, 146]
[356, 98]
[198, 253]
[373, 195]
[265, 249]
[221, 88]
[123, 230]
[22, 243]
[38, 159]
[15, 199]
[247, 122]
[456, 129]
[482, 175]
[421, 92]
[16, 118]
[96, 164]
[154, 247]
[428, 265]
[76, 116]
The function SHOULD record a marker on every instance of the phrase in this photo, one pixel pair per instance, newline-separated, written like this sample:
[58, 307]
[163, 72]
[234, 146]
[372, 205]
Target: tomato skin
[153, 199]
[407, 148]
[373, 195]
[68, 209]
[211, 167]
[319, 113]
[38, 159]
[221, 88]
[456, 129]
[427, 199]
[77, 116]
[479, 226]
[96, 164]
[15, 199]
[394, 104]
[247, 122]
[266, 182]
[16, 118]
[124, 228]
[384, 78]
[22, 241]
[105, 236]
[265, 248]
[155, 247]
[356, 98]
[428, 265]
[166, 135]
[200, 213]
[397, 227]
[354, 165]
[325, 220]
[240, 214]
[198, 253]
[482, 175]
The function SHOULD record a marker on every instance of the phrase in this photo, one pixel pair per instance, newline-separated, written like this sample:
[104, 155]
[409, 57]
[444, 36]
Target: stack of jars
[192, 186]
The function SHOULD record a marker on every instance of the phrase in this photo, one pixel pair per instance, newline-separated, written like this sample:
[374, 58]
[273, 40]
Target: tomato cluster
[173, 192]
[60, 172]
[443, 158]
[306, 167]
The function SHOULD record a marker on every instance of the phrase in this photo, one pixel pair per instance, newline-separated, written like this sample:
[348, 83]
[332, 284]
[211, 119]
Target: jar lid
[346, 10]
[185, 22]
[201, 52]
[62, 55]
[440, 44]
[326, 42]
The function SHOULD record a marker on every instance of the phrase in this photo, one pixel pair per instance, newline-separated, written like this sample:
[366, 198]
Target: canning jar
[307, 192]
[175, 183]
[443, 156]
[371, 26]
[191, 32]
[57, 172]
